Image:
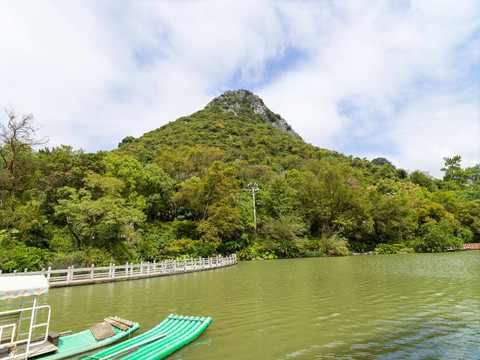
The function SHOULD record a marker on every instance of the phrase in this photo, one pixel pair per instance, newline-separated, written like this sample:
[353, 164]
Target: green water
[416, 306]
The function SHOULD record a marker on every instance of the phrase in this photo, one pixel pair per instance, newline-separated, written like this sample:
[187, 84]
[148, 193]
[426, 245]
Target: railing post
[113, 271]
[185, 265]
[131, 269]
[126, 269]
[25, 271]
[68, 275]
[49, 272]
[15, 272]
[148, 267]
[92, 271]
[154, 266]
[141, 267]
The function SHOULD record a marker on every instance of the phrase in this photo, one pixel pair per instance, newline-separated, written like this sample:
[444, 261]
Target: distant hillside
[239, 124]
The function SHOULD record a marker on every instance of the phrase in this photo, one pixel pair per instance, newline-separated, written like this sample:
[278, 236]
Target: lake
[412, 306]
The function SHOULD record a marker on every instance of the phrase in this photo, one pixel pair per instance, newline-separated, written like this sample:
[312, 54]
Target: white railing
[129, 270]
[29, 315]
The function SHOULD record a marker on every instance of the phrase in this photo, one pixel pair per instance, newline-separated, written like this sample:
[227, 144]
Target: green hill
[185, 190]
[240, 125]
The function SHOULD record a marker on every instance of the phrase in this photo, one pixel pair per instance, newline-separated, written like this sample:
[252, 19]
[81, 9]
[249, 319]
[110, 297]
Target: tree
[393, 218]
[330, 200]
[453, 171]
[158, 189]
[284, 232]
[279, 199]
[423, 179]
[218, 184]
[473, 174]
[380, 161]
[96, 215]
[468, 213]
[220, 225]
[437, 237]
[17, 138]
[189, 161]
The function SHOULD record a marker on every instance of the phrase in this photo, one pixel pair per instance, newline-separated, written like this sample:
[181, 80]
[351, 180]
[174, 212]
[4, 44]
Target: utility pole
[253, 189]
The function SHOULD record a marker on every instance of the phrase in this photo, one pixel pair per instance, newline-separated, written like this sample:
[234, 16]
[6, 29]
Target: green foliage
[86, 258]
[219, 183]
[284, 235]
[181, 190]
[453, 171]
[14, 256]
[335, 245]
[220, 226]
[330, 200]
[97, 215]
[423, 179]
[382, 161]
[438, 236]
[157, 188]
[393, 218]
[385, 249]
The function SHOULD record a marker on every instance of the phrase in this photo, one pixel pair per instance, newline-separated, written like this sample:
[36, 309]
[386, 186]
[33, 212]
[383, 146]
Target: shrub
[14, 257]
[385, 249]
[247, 253]
[406, 250]
[336, 245]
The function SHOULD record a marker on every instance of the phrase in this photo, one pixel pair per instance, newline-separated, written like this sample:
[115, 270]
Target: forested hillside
[183, 190]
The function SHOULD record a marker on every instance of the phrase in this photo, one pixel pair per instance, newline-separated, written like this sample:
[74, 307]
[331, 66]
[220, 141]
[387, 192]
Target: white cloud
[379, 66]
[346, 75]
[435, 127]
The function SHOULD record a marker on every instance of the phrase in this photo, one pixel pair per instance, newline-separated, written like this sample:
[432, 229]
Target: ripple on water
[368, 307]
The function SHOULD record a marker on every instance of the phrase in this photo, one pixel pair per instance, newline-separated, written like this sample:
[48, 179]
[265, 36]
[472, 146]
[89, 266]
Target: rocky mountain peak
[243, 101]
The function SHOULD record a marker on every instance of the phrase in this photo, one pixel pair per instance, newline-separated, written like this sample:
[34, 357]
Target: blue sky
[388, 78]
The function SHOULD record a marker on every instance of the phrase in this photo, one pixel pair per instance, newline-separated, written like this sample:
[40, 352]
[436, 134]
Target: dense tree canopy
[181, 190]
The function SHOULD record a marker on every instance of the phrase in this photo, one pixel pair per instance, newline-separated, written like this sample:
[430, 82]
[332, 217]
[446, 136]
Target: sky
[369, 78]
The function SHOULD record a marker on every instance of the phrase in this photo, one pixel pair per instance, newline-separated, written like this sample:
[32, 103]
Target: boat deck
[34, 351]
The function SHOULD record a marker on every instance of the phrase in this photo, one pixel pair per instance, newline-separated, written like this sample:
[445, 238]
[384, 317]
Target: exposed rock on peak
[244, 102]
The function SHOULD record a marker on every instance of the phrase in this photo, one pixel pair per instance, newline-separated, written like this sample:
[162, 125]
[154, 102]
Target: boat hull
[168, 336]
[84, 341]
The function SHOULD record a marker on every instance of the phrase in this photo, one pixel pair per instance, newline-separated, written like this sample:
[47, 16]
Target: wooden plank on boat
[102, 331]
[117, 324]
[124, 322]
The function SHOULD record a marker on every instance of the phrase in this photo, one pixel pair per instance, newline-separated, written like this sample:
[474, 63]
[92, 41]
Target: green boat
[85, 341]
[165, 338]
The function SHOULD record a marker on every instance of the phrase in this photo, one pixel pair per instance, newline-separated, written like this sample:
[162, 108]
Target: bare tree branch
[17, 137]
